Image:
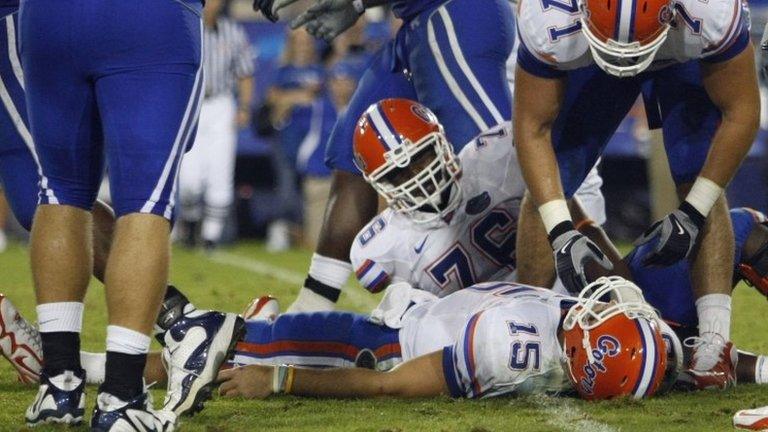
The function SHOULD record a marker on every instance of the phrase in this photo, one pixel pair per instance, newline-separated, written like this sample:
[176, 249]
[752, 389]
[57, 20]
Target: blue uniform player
[579, 71]
[107, 83]
[448, 55]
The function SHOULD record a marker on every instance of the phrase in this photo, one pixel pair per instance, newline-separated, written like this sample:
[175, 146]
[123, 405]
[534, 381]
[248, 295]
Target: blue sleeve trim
[534, 66]
[738, 45]
[449, 372]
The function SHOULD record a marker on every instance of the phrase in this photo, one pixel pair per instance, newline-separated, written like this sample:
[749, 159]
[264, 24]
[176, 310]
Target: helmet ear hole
[645, 7]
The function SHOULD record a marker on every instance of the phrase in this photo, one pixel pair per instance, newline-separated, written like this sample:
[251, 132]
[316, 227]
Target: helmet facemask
[618, 58]
[427, 195]
[602, 300]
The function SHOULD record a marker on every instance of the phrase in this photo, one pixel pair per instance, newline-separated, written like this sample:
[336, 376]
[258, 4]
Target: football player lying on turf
[451, 220]
[487, 340]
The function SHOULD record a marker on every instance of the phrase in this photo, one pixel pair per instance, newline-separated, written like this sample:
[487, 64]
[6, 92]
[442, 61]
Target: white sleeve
[501, 353]
[371, 254]
[722, 26]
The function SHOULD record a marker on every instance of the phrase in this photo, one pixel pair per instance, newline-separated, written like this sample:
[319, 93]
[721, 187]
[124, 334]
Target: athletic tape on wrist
[553, 213]
[703, 195]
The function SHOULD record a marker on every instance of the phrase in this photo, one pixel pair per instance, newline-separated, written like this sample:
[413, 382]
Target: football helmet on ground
[613, 342]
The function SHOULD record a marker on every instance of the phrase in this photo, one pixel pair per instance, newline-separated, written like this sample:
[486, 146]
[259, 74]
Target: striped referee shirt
[228, 57]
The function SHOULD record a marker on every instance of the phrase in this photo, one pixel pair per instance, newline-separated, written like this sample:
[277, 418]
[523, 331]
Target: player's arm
[731, 83]
[732, 86]
[537, 103]
[419, 377]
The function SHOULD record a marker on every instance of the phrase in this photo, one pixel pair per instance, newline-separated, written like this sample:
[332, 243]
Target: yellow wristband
[289, 380]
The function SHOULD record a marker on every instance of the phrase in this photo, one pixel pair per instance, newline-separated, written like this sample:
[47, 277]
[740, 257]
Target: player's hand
[251, 382]
[327, 19]
[676, 235]
[763, 57]
[573, 251]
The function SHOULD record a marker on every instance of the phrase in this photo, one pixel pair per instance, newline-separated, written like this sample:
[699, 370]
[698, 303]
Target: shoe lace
[708, 346]
[31, 334]
[176, 372]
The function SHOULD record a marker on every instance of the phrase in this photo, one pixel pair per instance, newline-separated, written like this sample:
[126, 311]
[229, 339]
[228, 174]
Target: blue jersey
[407, 9]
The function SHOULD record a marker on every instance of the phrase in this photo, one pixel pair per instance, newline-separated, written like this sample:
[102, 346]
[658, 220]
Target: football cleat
[713, 365]
[265, 308]
[195, 348]
[116, 415]
[60, 399]
[20, 342]
[755, 419]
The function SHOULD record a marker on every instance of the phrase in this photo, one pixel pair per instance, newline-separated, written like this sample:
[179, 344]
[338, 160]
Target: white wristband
[703, 195]
[553, 213]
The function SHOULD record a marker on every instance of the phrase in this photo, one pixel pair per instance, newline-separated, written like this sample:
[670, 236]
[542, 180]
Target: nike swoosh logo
[565, 247]
[421, 246]
[679, 227]
[46, 321]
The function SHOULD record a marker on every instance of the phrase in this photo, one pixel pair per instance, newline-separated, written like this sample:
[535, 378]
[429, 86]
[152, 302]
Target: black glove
[572, 252]
[676, 233]
[265, 6]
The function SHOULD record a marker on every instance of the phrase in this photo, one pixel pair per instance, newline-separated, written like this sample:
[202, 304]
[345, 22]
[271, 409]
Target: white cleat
[20, 342]
[755, 419]
[196, 346]
[113, 414]
[265, 308]
[60, 399]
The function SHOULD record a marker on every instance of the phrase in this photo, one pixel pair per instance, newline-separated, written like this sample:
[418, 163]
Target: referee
[206, 181]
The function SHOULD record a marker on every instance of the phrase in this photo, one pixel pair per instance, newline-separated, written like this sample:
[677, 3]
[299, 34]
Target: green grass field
[230, 278]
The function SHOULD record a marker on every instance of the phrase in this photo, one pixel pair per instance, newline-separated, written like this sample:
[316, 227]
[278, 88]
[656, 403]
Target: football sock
[60, 325]
[93, 364]
[323, 284]
[213, 223]
[126, 357]
[714, 311]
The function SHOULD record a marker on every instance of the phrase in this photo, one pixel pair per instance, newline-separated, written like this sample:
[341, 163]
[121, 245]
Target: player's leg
[66, 135]
[148, 85]
[457, 54]
[321, 339]
[352, 202]
[221, 168]
[690, 120]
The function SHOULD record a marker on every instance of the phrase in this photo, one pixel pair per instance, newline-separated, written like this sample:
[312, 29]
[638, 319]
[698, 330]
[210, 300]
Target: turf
[229, 279]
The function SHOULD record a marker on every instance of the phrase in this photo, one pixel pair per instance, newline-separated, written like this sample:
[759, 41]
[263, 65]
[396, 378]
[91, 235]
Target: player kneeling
[511, 340]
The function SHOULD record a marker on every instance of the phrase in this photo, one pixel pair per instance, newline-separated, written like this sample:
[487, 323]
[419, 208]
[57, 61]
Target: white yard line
[563, 414]
[356, 294]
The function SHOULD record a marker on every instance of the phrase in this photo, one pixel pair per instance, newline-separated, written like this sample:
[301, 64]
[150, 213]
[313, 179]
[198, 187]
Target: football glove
[572, 252]
[676, 235]
[763, 57]
[265, 6]
[327, 19]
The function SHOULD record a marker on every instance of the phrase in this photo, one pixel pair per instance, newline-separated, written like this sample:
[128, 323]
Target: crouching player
[451, 220]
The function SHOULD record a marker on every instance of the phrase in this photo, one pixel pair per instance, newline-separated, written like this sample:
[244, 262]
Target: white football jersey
[477, 244]
[497, 338]
[550, 30]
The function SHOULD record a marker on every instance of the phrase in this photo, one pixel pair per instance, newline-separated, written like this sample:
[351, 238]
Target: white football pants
[207, 177]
